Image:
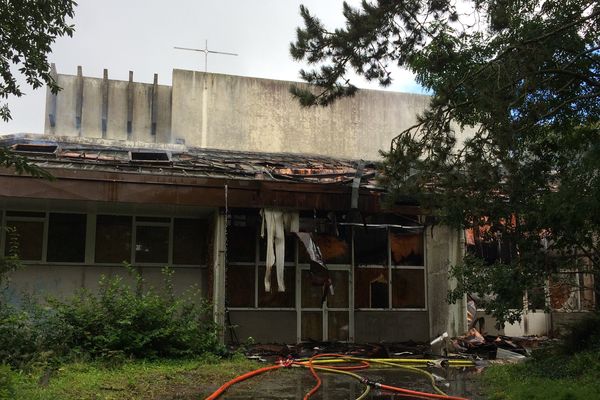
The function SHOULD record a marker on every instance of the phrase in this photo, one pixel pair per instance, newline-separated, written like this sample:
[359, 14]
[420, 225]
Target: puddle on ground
[294, 383]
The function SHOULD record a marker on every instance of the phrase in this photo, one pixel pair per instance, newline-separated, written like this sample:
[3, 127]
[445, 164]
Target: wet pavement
[294, 383]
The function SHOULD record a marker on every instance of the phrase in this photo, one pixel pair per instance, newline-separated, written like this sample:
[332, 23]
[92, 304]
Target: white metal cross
[205, 50]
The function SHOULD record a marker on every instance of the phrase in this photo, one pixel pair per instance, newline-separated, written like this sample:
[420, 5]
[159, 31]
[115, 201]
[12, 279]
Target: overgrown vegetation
[570, 370]
[122, 320]
[141, 379]
[522, 77]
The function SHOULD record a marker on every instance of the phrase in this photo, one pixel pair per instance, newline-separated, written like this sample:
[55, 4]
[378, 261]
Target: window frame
[90, 240]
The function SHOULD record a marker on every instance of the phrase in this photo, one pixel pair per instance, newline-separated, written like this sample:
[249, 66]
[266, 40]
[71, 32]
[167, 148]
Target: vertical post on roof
[104, 102]
[79, 99]
[154, 107]
[52, 97]
[130, 106]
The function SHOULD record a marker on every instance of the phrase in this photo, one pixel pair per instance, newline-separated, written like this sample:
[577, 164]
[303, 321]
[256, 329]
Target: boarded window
[27, 237]
[407, 249]
[370, 246]
[152, 244]
[240, 286]
[275, 298]
[408, 288]
[113, 239]
[66, 237]
[189, 241]
[371, 288]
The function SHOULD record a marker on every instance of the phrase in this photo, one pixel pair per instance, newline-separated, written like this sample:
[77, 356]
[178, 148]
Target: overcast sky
[139, 35]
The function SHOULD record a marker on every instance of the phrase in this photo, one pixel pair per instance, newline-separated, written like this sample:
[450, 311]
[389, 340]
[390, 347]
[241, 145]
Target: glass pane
[240, 286]
[241, 243]
[66, 237]
[407, 249]
[340, 292]
[312, 326]
[275, 298]
[408, 288]
[27, 238]
[189, 241]
[312, 292]
[289, 249]
[113, 239]
[371, 288]
[370, 246]
[152, 244]
[338, 326]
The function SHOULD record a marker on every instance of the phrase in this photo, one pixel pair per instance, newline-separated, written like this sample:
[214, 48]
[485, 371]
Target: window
[189, 241]
[389, 269]
[113, 239]
[24, 234]
[152, 240]
[58, 237]
[246, 253]
[66, 237]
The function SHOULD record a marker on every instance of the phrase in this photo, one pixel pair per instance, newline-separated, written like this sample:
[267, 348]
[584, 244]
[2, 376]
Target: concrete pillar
[219, 250]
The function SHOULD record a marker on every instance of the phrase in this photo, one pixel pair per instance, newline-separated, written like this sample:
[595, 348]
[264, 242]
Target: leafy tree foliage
[27, 30]
[523, 78]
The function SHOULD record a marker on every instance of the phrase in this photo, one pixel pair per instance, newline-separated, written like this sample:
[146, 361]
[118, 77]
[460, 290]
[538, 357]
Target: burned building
[202, 175]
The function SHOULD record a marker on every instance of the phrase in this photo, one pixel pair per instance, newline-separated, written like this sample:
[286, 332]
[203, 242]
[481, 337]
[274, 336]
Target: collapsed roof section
[164, 159]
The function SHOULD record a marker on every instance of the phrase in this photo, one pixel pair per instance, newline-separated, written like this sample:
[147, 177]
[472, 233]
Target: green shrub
[583, 335]
[7, 384]
[117, 322]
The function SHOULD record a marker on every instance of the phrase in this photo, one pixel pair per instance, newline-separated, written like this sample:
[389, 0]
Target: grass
[549, 374]
[151, 380]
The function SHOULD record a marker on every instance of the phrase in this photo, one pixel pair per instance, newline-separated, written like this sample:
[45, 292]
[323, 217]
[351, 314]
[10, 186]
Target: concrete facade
[232, 113]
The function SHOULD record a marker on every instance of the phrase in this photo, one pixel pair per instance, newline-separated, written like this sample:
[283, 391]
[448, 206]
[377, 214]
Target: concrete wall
[443, 248]
[241, 113]
[117, 110]
[64, 280]
[390, 326]
[264, 326]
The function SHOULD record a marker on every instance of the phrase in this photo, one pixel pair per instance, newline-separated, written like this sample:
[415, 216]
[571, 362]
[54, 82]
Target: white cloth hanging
[276, 223]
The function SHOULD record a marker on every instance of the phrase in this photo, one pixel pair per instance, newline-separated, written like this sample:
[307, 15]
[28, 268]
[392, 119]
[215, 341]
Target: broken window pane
[408, 288]
[113, 239]
[334, 249]
[406, 248]
[152, 244]
[241, 243]
[371, 288]
[338, 326]
[370, 246]
[240, 286]
[189, 241]
[275, 298]
[312, 326]
[340, 292]
[66, 237]
[27, 237]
